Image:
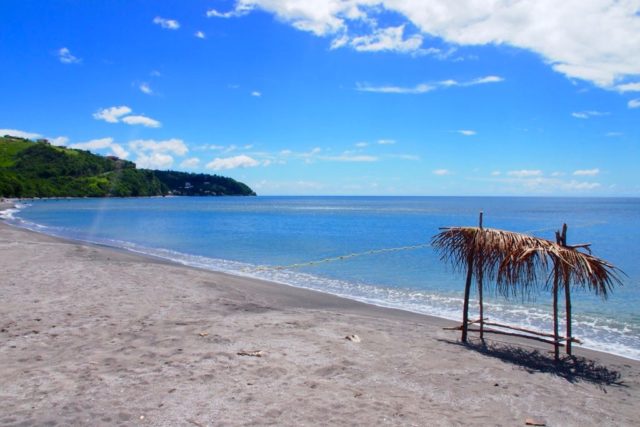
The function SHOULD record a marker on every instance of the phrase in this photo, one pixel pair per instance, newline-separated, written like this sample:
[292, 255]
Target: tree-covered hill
[39, 169]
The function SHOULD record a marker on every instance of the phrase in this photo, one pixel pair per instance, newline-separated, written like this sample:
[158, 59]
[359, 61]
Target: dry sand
[94, 336]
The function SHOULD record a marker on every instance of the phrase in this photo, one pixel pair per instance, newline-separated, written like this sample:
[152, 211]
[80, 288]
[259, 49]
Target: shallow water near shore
[254, 236]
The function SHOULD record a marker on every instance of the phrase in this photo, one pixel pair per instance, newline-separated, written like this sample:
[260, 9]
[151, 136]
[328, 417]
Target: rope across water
[384, 250]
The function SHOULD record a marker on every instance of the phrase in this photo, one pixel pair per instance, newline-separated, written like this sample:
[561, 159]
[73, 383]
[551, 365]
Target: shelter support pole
[567, 294]
[556, 346]
[480, 284]
[467, 290]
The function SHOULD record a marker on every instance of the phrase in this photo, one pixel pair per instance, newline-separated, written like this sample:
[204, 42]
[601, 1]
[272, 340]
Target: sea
[371, 249]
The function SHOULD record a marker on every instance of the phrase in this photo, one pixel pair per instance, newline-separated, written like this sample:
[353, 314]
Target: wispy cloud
[384, 39]
[634, 103]
[141, 120]
[112, 114]
[426, 87]
[121, 114]
[525, 173]
[386, 141]
[19, 133]
[587, 172]
[256, 93]
[241, 9]
[200, 35]
[418, 89]
[145, 88]
[589, 114]
[240, 161]
[466, 132]
[629, 87]
[441, 172]
[65, 56]
[190, 163]
[167, 24]
[354, 158]
[101, 144]
[546, 29]
[157, 154]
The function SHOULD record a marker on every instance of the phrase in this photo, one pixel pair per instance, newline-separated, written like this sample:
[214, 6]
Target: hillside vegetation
[38, 169]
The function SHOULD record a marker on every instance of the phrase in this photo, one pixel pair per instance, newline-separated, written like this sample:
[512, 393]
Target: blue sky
[339, 96]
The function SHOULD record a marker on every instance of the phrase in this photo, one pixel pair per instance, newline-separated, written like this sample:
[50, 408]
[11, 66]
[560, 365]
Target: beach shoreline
[96, 335]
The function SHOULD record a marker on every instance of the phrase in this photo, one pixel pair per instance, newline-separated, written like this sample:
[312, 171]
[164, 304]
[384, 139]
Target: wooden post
[556, 273]
[480, 285]
[567, 295]
[467, 289]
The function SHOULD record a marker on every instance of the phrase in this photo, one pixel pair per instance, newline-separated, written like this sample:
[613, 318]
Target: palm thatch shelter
[515, 264]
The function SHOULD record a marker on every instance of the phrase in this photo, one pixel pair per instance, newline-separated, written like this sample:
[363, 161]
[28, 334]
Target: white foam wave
[607, 335]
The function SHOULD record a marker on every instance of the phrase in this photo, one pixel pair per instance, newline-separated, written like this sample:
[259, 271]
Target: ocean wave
[597, 333]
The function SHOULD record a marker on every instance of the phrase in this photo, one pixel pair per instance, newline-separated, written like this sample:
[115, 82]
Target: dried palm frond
[516, 262]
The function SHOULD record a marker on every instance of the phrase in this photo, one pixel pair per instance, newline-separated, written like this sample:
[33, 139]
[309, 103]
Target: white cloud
[580, 186]
[154, 161]
[441, 172]
[496, 173]
[193, 162]
[119, 151]
[525, 173]
[200, 35]
[389, 39]
[629, 87]
[241, 161]
[241, 9]
[145, 88]
[101, 144]
[467, 132]
[634, 103]
[174, 145]
[546, 27]
[256, 93]
[589, 114]
[60, 140]
[613, 134]
[347, 157]
[405, 157]
[111, 115]
[157, 154]
[426, 87]
[19, 133]
[167, 24]
[94, 144]
[65, 56]
[418, 89]
[361, 144]
[141, 120]
[386, 141]
[587, 172]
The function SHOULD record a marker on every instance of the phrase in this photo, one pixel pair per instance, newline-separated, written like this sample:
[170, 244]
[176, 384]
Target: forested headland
[39, 169]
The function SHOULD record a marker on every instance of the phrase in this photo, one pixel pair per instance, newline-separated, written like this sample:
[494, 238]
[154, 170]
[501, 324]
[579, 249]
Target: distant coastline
[38, 169]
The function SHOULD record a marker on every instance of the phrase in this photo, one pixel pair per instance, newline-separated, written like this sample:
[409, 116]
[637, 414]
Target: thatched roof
[516, 263]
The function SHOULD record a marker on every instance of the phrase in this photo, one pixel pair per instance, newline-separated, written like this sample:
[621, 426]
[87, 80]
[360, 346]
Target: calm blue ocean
[249, 236]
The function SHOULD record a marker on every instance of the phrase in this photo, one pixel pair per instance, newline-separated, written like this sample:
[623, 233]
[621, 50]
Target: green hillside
[38, 169]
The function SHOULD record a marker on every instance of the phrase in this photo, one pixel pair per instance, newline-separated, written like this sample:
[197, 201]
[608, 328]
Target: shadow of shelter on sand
[572, 368]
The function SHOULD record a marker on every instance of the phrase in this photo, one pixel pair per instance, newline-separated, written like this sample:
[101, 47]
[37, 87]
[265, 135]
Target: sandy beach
[95, 336]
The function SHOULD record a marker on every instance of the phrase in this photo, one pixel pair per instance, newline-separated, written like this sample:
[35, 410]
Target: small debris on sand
[534, 422]
[353, 337]
[255, 353]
